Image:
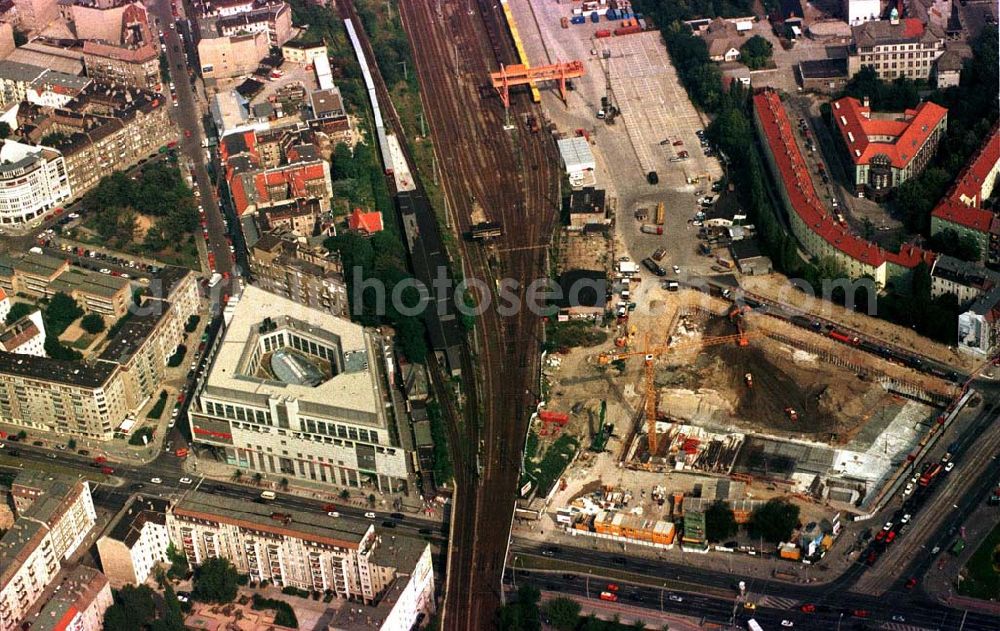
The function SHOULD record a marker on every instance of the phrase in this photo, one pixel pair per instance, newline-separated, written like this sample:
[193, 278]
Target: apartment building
[91, 399]
[58, 514]
[33, 182]
[310, 551]
[275, 20]
[135, 541]
[294, 392]
[895, 48]
[15, 78]
[224, 57]
[26, 336]
[43, 276]
[887, 149]
[312, 277]
[305, 176]
[816, 227]
[138, 67]
[105, 128]
[81, 596]
[66, 398]
[961, 208]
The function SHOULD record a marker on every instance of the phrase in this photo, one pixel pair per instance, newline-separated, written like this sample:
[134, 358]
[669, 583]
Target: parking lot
[654, 109]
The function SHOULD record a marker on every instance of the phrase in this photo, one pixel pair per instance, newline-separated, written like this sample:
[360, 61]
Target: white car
[787, 623]
[370, 515]
[675, 598]
[948, 467]
[73, 215]
[905, 519]
[105, 270]
[185, 480]
[171, 424]
[333, 513]
[156, 481]
[888, 526]
[677, 269]
[898, 618]
[909, 489]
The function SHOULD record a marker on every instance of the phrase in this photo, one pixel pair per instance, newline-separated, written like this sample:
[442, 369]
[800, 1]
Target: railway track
[511, 175]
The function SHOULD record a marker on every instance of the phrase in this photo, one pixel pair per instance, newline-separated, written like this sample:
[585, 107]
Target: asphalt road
[834, 608]
[136, 478]
[188, 117]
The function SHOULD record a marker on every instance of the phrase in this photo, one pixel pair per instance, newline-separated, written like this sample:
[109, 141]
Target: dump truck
[649, 228]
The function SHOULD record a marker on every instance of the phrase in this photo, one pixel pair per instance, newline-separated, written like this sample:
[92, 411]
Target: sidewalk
[359, 498]
[940, 581]
[627, 614]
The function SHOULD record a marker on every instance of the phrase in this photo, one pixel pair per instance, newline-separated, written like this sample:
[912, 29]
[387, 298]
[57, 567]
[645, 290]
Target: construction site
[695, 399]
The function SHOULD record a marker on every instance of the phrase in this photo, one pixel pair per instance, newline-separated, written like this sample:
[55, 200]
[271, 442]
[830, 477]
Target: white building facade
[331, 427]
[860, 11]
[33, 181]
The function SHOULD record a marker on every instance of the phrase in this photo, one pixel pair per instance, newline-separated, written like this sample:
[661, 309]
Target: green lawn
[983, 570]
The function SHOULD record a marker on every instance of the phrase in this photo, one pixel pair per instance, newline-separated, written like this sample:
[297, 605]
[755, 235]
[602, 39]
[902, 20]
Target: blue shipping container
[612, 14]
[577, 19]
[594, 17]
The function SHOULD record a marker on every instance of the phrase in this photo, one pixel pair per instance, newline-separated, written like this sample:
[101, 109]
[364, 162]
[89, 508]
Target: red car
[911, 583]
[872, 557]
[609, 596]
[329, 507]
[880, 536]
[107, 470]
[861, 613]
[889, 538]
[187, 133]
[808, 608]
[612, 587]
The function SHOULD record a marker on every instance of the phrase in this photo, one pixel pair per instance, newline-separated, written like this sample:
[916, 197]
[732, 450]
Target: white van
[267, 495]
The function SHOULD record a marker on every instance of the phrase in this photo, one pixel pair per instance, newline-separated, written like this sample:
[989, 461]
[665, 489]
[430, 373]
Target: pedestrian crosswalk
[777, 602]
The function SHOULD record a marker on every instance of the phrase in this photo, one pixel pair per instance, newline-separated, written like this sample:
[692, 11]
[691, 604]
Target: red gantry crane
[518, 74]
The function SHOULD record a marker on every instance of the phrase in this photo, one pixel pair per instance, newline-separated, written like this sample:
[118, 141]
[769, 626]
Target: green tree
[55, 350]
[179, 566]
[563, 613]
[215, 581]
[20, 37]
[92, 323]
[774, 521]
[756, 52]
[60, 313]
[133, 608]
[342, 163]
[17, 311]
[522, 614]
[71, 443]
[4, 130]
[720, 523]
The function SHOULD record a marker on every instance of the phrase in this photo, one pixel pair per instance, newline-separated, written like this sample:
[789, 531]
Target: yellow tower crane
[649, 357]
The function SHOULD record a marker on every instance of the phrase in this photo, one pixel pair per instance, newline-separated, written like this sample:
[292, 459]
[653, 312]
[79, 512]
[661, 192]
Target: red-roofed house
[960, 209]
[887, 150]
[255, 189]
[817, 228]
[365, 223]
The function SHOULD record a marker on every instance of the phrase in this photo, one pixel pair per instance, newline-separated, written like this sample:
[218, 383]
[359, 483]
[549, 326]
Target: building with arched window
[887, 149]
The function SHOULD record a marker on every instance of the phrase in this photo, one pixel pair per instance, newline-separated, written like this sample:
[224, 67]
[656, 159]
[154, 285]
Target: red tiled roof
[240, 200]
[802, 194]
[369, 223]
[912, 27]
[969, 186]
[909, 135]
